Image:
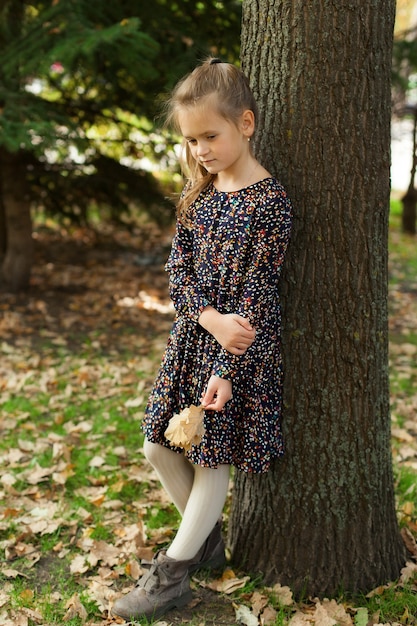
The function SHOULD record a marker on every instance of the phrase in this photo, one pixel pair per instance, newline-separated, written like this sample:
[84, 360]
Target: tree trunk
[323, 519]
[3, 236]
[409, 200]
[17, 223]
[409, 213]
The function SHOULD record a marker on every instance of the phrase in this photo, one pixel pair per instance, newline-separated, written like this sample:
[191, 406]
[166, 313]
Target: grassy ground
[78, 354]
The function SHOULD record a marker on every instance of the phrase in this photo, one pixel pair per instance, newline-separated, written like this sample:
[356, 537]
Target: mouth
[207, 164]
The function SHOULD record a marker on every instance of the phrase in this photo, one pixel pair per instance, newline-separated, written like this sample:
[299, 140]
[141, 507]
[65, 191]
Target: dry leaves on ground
[108, 295]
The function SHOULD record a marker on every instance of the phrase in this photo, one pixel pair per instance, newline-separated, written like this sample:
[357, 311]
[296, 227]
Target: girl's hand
[218, 392]
[233, 332]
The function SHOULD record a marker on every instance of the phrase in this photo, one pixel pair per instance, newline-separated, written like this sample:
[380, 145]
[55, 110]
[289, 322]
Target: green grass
[406, 492]
[402, 248]
[403, 381]
[392, 605]
[54, 427]
[158, 517]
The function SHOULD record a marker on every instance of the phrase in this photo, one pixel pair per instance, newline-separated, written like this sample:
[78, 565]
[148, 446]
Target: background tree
[78, 97]
[324, 519]
[404, 105]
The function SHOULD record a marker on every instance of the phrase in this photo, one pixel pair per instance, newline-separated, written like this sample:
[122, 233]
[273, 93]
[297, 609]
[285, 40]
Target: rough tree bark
[324, 518]
[16, 223]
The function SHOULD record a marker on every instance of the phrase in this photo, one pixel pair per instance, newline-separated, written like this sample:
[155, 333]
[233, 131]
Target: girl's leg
[167, 584]
[174, 471]
[204, 507]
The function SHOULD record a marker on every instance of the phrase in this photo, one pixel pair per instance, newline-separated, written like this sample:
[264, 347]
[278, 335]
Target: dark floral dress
[231, 258]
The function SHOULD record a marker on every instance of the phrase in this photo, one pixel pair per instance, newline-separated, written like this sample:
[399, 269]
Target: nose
[202, 148]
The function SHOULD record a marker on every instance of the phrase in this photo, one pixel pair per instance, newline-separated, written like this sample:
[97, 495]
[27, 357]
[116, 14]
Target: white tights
[199, 493]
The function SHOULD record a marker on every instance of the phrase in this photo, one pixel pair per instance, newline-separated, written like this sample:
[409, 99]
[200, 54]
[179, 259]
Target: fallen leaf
[26, 595]
[336, 612]
[283, 595]
[300, 619]
[409, 541]
[104, 552]
[12, 573]
[37, 474]
[361, 617]
[245, 616]
[97, 461]
[8, 480]
[75, 609]
[228, 583]
[378, 591]
[18, 619]
[408, 572]
[134, 402]
[78, 565]
[30, 614]
[133, 569]
[101, 594]
[322, 617]
[268, 616]
[258, 602]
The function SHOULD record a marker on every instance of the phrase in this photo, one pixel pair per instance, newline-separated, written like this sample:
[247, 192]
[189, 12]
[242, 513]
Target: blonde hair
[234, 96]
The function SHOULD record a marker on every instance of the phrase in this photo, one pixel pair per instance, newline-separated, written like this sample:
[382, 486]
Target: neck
[252, 173]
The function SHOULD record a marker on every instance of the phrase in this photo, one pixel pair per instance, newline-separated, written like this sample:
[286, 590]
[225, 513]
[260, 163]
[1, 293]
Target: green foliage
[404, 60]
[404, 69]
[66, 66]
[81, 87]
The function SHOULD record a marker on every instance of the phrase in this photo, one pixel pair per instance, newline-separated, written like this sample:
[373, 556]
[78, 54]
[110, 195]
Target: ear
[247, 123]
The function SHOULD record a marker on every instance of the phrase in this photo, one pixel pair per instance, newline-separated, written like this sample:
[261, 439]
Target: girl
[232, 232]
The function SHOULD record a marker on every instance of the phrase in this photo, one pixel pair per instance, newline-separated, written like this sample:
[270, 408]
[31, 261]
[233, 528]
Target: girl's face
[216, 143]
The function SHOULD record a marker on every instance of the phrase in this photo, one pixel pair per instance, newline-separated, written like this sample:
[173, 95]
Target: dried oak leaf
[186, 429]
[175, 432]
[409, 541]
[194, 424]
[75, 609]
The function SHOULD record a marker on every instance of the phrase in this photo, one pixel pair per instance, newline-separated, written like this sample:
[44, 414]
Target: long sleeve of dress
[184, 289]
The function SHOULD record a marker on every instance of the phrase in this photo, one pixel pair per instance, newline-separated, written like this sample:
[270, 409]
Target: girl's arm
[232, 331]
[184, 289]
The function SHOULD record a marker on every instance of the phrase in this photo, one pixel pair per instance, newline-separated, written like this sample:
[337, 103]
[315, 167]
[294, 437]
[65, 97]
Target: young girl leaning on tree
[224, 351]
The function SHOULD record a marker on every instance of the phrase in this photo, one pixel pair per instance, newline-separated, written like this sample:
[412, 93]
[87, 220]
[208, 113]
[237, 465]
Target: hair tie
[215, 60]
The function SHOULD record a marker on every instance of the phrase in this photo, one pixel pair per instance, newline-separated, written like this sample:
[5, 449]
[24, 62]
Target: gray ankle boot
[211, 554]
[166, 585]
